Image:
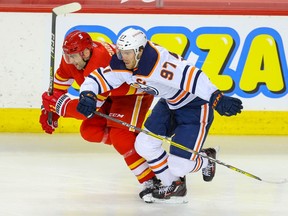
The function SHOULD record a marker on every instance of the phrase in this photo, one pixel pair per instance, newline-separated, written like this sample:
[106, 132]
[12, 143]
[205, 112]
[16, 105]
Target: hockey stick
[60, 10]
[187, 149]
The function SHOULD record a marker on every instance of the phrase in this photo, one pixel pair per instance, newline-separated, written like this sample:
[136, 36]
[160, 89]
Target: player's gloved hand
[44, 121]
[225, 105]
[87, 103]
[56, 102]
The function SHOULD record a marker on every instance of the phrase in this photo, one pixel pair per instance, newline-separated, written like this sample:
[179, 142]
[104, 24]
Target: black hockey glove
[225, 105]
[87, 103]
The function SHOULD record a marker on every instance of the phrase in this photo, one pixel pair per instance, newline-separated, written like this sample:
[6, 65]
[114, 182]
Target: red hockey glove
[225, 105]
[56, 103]
[44, 121]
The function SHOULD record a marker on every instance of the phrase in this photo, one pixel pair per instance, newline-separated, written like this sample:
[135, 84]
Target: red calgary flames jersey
[66, 74]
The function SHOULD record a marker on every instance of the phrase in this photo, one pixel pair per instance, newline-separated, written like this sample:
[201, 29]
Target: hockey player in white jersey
[184, 110]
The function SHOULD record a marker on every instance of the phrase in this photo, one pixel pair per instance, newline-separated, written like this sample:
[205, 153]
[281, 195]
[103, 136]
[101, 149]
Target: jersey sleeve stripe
[184, 76]
[61, 87]
[179, 97]
[63, 82]
[96, 81]
[101, 81]
[195, 81]
[60, 78]
[189, 79]
[101, 72]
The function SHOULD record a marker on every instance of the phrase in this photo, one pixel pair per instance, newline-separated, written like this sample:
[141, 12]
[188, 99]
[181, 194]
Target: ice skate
[175, 193]
[149, 186]
[209, 171]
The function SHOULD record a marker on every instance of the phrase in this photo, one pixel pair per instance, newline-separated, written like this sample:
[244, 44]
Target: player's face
[128, 57]
[75, 59]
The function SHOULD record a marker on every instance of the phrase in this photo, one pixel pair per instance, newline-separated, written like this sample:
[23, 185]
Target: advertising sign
[244, 56]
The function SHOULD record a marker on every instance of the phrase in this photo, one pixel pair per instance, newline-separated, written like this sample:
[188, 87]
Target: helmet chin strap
[136, 59]
[136, 63]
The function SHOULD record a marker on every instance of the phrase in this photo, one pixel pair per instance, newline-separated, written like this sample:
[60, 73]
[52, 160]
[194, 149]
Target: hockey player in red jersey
[81, 56]
[185, 110]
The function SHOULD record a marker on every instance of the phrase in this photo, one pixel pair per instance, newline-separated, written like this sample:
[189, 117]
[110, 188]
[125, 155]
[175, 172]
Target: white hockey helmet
[131, 39]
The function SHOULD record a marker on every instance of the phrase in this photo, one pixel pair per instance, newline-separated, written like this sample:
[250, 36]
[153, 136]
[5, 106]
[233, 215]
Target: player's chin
[128, 66]
[79, 67]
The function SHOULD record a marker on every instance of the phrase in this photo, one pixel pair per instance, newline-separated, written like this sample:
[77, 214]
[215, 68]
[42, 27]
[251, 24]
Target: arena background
[247, 43]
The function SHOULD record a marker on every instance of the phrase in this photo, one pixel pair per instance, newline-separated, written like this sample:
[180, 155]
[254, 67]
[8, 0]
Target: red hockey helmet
[76, 42]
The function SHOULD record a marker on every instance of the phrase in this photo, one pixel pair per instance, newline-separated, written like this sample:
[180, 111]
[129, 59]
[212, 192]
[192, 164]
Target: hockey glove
[44, 121]
[87, 103]
[225, 105]
[56, 102]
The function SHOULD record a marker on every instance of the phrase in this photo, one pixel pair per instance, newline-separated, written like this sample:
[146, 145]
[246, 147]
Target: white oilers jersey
[159, 72]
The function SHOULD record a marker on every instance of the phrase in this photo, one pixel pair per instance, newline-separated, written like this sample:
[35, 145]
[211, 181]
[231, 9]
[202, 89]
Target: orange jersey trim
[102, 81]
[189, 79]
[202, 131]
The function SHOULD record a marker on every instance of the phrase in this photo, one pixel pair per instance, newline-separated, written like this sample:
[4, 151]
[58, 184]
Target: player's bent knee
[147, 146]
[180, 166]
[140, 144]
[91, 138]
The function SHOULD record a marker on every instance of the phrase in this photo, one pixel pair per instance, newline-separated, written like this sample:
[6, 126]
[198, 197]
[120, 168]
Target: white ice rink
[62, 175]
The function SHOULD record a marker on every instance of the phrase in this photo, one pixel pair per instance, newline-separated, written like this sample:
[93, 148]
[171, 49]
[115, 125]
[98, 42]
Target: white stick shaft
[61, 10]
[67, 8]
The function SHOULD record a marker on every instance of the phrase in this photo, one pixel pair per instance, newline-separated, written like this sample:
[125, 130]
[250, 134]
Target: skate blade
[148, 198]
[172, 200]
